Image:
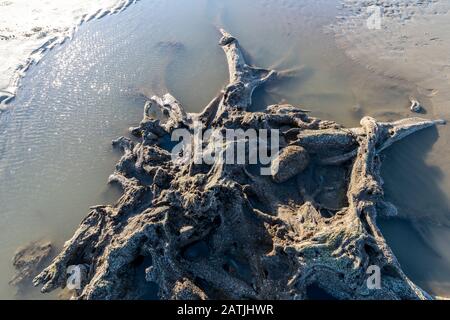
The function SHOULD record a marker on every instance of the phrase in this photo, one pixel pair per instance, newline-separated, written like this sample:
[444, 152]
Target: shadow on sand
[414, 187]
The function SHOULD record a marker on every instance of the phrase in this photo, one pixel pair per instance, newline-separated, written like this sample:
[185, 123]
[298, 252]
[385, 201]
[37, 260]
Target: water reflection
[420, 235]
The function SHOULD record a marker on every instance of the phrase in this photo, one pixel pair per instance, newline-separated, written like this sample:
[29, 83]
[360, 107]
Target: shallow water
[55, 142]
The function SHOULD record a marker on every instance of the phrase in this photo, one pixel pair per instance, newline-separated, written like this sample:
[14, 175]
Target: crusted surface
[223, 231]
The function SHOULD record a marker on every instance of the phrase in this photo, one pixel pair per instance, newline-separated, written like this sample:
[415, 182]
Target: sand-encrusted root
[223, 231]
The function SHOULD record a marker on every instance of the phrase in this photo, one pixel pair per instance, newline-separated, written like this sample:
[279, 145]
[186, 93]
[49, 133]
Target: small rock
[290, 161]
[415, 105]
[387, 209]
[28, 261]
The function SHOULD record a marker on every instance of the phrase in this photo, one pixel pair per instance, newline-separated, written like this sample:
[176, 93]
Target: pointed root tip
[226, 38]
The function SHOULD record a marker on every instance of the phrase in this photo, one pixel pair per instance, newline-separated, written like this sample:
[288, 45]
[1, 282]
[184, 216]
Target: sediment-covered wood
[222, 231]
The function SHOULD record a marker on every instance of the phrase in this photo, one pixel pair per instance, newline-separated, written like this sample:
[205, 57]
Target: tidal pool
[55, 139]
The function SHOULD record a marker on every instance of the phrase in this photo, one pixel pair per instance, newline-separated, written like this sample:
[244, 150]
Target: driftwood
[222, 231]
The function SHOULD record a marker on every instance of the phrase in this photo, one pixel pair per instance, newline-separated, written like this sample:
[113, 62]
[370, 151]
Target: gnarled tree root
[220, 231]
